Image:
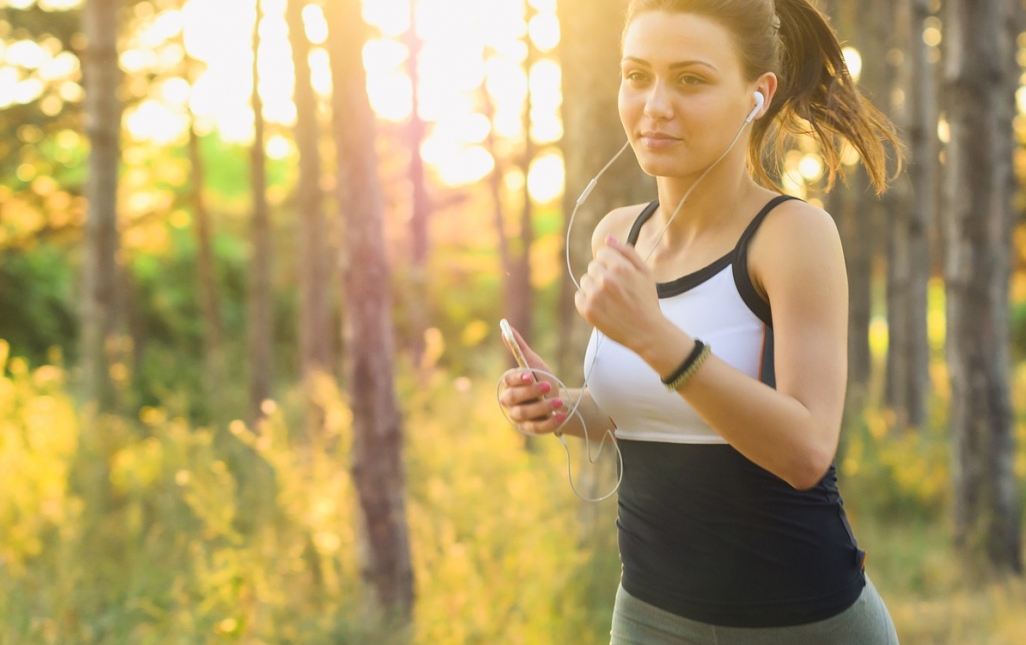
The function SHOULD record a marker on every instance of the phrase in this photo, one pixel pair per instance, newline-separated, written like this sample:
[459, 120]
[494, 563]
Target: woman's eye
[690, 79]
[635, 77]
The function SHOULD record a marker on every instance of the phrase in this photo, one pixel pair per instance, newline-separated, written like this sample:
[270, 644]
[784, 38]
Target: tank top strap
[645, 215]
[742, 279]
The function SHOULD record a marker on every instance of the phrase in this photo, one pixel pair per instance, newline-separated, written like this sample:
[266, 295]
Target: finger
[586, 308]
[587, 283]
[532, 357]
[546, 426]
[625, 251]
[593, 284]
[581, 303]
[520, 340]
[537, 412]
[620, 261]
[521, 343]
[519, 392]
[595, 279]
[516, 378]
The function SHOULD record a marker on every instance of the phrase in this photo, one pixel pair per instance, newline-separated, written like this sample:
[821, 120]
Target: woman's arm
[796, 258]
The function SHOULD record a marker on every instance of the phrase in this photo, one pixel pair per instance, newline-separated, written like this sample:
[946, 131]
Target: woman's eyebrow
[677, 65]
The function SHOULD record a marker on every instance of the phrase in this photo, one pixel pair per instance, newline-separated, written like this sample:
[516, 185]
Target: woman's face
[683, 96]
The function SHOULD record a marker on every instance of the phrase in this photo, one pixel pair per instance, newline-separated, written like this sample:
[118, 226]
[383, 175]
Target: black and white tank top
[717, 304]
[704, 532]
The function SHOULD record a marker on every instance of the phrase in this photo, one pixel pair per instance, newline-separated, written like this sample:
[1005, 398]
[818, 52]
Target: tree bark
[909, 263]
[100, 306]
[520, 293]
[315, 355]
[856, 210]
[590, 59]
[853, 224]
[507, 263]
[416, 131]
[980, 84]
[377, 465]
[260, 305]
[206, 275]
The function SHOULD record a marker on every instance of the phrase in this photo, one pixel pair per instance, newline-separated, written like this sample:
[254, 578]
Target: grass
[932, 597]
[149, 530]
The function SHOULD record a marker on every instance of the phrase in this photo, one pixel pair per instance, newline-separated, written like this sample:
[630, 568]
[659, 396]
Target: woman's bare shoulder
[797, 221]
[618, 223]
[796, 236]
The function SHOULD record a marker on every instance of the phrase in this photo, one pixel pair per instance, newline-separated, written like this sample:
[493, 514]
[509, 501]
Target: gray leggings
[867, 622]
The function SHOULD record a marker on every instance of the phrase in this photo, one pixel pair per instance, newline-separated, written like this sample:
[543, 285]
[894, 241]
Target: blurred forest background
[252, 258]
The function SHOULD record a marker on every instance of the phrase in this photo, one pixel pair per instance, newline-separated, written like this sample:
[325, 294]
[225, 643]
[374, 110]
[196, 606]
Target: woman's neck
[713, 202]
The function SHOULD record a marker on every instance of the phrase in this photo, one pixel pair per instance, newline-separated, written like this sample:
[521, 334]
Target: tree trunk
[213, 373]
[909, 263]
[377, 465]
[855, 208]
[590, 59]
[101, 310]
[419, 235]
[100, 307]
[855, 227]
[507, 265]
[520, 293]
[978, 225]
[863, 236]
[515, 252]
[315, 356]
[261, 363]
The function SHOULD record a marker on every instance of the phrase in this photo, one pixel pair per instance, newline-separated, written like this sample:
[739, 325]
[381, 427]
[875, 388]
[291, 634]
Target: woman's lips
[658, 140]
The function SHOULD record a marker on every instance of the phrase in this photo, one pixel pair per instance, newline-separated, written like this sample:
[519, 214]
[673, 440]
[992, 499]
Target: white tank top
[716, 304]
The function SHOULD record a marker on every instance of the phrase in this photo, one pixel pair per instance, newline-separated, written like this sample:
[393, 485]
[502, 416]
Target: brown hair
[815, 96]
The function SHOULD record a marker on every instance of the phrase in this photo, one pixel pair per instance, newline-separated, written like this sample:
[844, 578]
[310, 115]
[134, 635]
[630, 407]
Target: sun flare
[473, 83]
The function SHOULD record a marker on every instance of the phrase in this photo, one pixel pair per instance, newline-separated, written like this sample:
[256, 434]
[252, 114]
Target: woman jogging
[719, 352]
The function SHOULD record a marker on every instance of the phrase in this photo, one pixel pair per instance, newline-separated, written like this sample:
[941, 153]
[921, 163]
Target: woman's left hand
[618, 294]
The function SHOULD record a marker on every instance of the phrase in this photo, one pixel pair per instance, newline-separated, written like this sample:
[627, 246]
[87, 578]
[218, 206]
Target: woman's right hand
[532, 399]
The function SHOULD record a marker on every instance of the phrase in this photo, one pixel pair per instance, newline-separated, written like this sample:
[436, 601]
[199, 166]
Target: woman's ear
[767, 86]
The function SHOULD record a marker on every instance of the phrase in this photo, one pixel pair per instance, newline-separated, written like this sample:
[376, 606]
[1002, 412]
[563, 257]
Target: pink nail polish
[557, 403]
[560, 417]
[545, 388]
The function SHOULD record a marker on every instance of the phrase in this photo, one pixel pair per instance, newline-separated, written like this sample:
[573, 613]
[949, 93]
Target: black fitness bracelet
[687, 367]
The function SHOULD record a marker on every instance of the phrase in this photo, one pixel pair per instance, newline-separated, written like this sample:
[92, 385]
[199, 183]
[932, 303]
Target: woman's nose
[657, 104]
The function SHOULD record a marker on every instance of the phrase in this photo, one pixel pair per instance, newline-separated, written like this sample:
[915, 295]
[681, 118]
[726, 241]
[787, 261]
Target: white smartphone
[511, 343]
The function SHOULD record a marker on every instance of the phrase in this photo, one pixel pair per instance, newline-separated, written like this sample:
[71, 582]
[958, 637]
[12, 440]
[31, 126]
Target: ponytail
[817, 97]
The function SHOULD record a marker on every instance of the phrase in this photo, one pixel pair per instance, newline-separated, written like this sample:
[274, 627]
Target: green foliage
[36, 301]
[153, 530]
[496, 541]
[1018, 330]
[899, 475]
[146, 534]
[156, 530]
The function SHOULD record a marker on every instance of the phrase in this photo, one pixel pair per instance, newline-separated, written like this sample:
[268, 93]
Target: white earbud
[760, 100]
